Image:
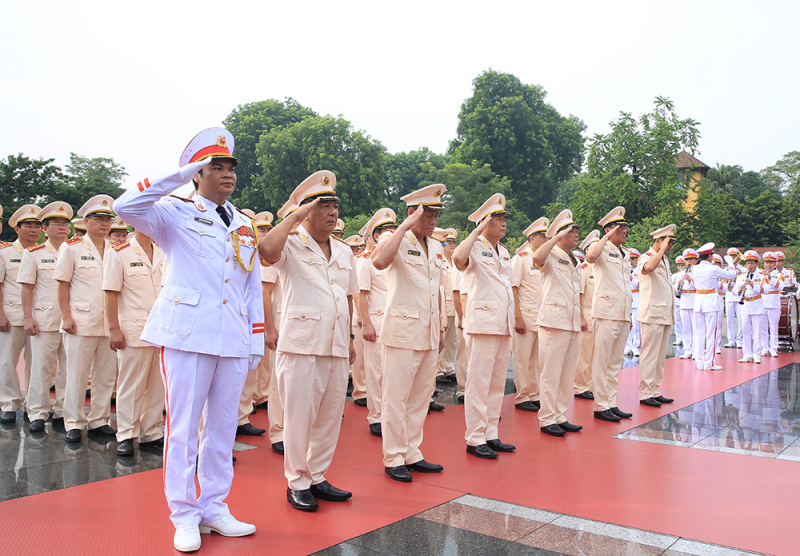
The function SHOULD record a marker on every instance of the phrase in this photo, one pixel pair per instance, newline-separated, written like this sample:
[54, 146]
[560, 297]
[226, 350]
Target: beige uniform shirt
[587, 290]
[487, 282]
[128, 270]
[38, 268]
[412, 304]
[561, 292]
[373, 281]
[528, 281]
[656, 297]
[10, 262]
[316, 314]
[269, 274]
[612, 286]
[80, 264]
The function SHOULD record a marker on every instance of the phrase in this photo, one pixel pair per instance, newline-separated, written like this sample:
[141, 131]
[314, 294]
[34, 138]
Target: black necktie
[224, 215]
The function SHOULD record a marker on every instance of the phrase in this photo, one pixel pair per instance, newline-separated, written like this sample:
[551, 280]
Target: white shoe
[187, 539]
[746, 360]
[764, 353]
[228, 526]
[627, 352]
[773, 354]
[636, 353]
[718, 351]
[715, 368]
[677, 343]
[738, 346]
[686, 356]
[730, 345]
[756, 360]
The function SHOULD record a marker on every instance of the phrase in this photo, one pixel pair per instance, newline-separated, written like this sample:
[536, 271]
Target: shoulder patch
[74, 240]
[120, 246]
[366, 254]
[33, 248]
[522, 253]
[3, 244]
[180, 198]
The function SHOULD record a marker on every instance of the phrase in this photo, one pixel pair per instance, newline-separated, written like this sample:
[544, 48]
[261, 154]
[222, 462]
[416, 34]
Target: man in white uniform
[634, 337]
[12, 319]
[208, 321]
[706, 277]
[488, 281]
[315, 346]
[770, 295]
[748, 286]
[680, 264]
[527, 288]
[732, 305]
[43, 317]
[686, 288]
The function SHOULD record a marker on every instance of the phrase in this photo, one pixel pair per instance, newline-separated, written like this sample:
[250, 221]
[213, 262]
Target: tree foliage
[784, 175]
[26, 181]
[87, 177]
[511, 127]
[404, 170]
[288, 155]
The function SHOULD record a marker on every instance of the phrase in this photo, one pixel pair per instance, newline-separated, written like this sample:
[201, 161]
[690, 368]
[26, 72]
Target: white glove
[729, 260]
[253, 362]
[190, 170]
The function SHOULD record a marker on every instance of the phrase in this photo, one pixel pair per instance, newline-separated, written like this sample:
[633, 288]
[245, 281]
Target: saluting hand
[301, 213]
[482, 224]
[408, 223]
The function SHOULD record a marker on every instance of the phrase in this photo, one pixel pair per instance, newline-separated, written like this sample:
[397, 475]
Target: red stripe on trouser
[166, 421]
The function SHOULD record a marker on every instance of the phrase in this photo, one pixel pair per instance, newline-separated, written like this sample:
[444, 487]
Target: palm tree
[723, 179]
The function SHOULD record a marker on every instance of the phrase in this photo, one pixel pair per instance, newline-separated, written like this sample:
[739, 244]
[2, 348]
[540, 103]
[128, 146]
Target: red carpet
[735, 500]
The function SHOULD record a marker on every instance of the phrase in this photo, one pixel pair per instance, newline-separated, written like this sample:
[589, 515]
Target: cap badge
[104, 203]
[388, 215]
[60, 209]
[222, 141]
[621, 212]
[437, 193]
[326, 180]
[499, 202]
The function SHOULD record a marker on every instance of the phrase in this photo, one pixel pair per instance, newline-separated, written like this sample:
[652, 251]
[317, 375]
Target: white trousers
[678, 321]
[733, 310]
[47, 348]
[408, 376]
[687, 318]
[447, 358]
[461, 363]
[720, 317]
[198, 384]
[487, 367]
[706, 337]
[751, 336]
[275, 407]
[373, 367]
[769, 330]
[11, 344]
[85, 353]
[140, 394]
[559, 359]
[610, 337]
[634, 340]
[526, 365]
[313, 389]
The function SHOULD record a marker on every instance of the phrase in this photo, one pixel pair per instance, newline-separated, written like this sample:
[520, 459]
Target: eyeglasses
[104, 219]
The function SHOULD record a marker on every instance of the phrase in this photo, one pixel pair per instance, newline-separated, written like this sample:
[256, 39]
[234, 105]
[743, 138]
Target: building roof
[686, 161]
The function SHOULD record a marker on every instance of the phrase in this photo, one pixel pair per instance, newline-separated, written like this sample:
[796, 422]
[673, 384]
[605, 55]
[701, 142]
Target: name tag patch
[87, 258]
[615, 255]
[48, 260]
[415, 253]
[563, 261]
[205, 221]
[15, 260]
[137, 264]
[485, 254]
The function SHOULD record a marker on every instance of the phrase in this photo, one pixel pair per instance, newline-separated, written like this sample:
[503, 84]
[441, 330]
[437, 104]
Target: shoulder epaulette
[74, 240]
[366, 254]
[181, 198]
[293, 233]
[122, 245]
[33, 248]
[522, 253]
[339, 240]
[3, 244]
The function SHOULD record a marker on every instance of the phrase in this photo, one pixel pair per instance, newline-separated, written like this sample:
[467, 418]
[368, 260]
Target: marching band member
[732, 305]
[722, 287]
[686, 288]
[680, 263]
[583, 376]
[789, 277]
[748, 286]
[770, 295]
[706, 278]
[634, 337]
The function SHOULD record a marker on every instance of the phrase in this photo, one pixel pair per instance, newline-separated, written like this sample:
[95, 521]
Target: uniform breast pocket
[200, 238]
[138, 278]
[404, 322]
[177, 308]
[659, 310]
[301, 326]
[311, 268]
[87, 270]
[412, 266]
[340, 273]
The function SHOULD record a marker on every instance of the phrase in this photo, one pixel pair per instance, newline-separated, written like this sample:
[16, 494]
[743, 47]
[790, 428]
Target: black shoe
[442, 379]
[607, 415]
[498, 446]
[399, 473]
[326, 491]
[37, 425]
[527, 406]
[277, 447]
[249, 430]
[433, 406]
[453, 378]
[460, 400]
[105, 430]
[153, 444]
[254, 411]
[553, 430]
[621, 414]
[8, 417]
[125, 448]
[233, 459]
[302, 500]
[569, 427]
[73, 435]
[88, 392]
[585, 395]
[423, 466]
[375, 429]
[482, 451]
[264, 405]
[662, 399]
[361, 402]
[652, 402]
[538, 404]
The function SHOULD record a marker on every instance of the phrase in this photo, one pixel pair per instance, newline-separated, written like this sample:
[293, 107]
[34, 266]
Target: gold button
[202, 230]
[175, 300]
[228, 259]
[226, 280]
[404, 315]
[228, 240]
[337, 299]
[224, 301]
[485, 306]
[302, 316]
[247, 314]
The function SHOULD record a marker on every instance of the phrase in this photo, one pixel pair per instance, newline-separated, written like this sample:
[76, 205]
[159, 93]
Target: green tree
[784, 175]
[634, 166]
[26, 181]
[247, 123]
[288, 155]
[403, 170]
[723, 179]
[762, 221]
[751, 184]
[511, 127]
[87, 177]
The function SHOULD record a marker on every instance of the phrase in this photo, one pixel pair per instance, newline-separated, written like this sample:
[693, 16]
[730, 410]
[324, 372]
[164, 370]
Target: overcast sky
[136, 81]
